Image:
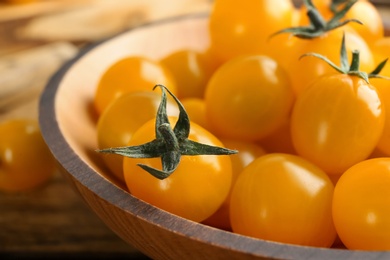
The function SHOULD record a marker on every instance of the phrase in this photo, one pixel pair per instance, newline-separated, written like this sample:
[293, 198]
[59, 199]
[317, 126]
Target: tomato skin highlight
[195, 190]
[283, 198]
[25, 160]
[191, 71]
[245, 30]
[248, 98]
[361, 205]
[337, 122]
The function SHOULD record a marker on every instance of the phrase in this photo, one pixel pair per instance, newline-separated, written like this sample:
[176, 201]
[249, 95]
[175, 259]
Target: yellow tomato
[25, 160]
[128, 75]
[283, 198]
[195, 190]
[337, 122]
[244, 28]
[196, 109]
[248, 98]
[381, 49]
[302, 72]
[248, 152]
[361, 208]
[191, 70]
[372, 27]
[279, 141]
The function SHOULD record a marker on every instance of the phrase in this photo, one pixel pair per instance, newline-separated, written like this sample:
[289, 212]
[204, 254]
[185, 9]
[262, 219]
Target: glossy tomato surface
[25, 160]
[382, 52]
[246, 28]
[191, 70]
[129, 74]
[248, 97]
[361, 205]
[248, 152]
[337, 122]
[196, 110]
[284, 198]
[195, 190]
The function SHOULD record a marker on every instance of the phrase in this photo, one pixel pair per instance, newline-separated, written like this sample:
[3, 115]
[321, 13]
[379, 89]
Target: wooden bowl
[69, 130]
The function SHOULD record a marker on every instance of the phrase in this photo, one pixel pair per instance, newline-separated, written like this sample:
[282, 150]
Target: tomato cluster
[313, 138]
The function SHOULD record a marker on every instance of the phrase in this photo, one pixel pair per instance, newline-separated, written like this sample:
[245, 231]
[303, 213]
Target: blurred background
[36, 38]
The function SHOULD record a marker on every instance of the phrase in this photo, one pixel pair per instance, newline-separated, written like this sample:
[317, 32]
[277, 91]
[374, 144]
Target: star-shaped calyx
[170, 144]
[318, 26]
[350, 68]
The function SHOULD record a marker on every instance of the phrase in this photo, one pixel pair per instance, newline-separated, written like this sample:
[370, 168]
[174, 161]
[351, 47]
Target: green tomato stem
[316, 19]
[169, 137]
[355, 62]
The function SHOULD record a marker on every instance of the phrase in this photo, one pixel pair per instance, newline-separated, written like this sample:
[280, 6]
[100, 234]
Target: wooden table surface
[53, 221]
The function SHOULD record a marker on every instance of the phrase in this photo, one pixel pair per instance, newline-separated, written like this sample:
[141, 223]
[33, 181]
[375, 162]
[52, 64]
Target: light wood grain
[105, 18]
[56, 220]
[71, 134]
[14, 12]
[24, 74]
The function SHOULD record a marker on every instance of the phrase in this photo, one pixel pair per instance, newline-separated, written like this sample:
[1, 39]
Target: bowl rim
[67, 158]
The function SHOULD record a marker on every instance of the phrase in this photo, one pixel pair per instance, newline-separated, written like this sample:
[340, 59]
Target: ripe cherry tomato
[361, 208]
[279, 141]
[245, 29]
[277, 195]
[122, 118]
[372, 27]
[303, 71]
[191, 70]
[248, 97]
[323, 38]
[196, 109]
[248, 152]
[337, 122]
[130, 74]
[381, 51]
[195, 190]
[25, 160]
